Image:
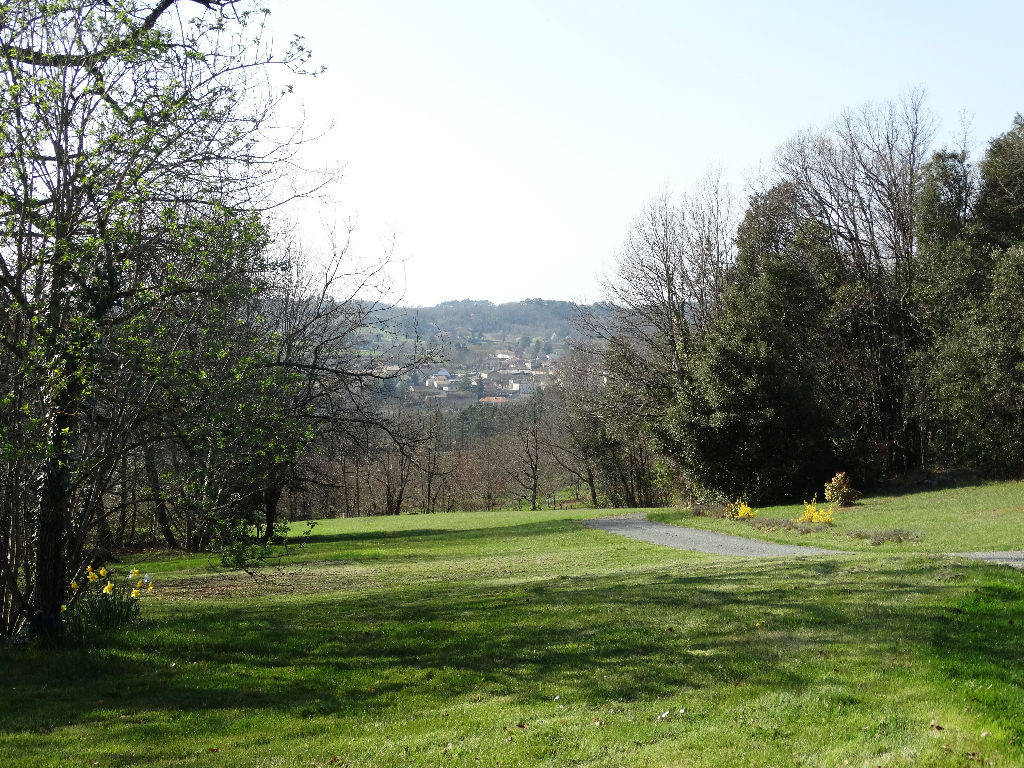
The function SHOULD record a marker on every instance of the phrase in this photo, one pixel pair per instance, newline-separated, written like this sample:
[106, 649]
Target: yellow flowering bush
[739, 510]
[744, 512]
[816, 513]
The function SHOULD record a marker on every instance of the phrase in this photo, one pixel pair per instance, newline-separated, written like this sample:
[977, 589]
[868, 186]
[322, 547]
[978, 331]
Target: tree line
[862, 312]
[564, 446]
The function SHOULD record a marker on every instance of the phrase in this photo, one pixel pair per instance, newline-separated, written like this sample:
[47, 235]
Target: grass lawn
[963, 519]
[525, 639]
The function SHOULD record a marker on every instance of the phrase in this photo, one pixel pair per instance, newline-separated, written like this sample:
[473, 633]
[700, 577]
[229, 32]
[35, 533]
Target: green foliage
[134, 289]
[974, 377]
[970, 367]
[821, 355]
[1000, 203]
[755, 419]
[238, 545]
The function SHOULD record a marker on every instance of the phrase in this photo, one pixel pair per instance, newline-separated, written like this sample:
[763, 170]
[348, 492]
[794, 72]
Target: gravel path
[636, 526]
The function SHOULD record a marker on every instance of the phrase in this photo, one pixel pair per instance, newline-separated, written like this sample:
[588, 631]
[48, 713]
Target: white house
[440, 380]
[526, 386]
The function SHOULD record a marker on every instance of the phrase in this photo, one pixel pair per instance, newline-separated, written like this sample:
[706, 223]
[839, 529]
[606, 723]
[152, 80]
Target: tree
[969, 368]
[665, 287]
[570, 430]
[524, 457]
[1000, 202]
[859, 180]
[124, 127]
[759, 417]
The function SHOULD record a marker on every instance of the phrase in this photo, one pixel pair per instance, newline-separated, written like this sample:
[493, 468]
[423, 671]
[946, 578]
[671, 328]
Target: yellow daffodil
[103, 571]
[109, 588]
[138, 584]
[135, 573]
[63, 608]
[74, 585]
[136, 593]
[93, 576]
[150, 588]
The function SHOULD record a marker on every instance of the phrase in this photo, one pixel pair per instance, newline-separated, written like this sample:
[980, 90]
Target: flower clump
[817, 513]
[98, 608]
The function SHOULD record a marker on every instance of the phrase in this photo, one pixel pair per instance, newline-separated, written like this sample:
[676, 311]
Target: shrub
[104, 604]
[745, 512]
[877, 538]
[785, 524]
[739, 510]
[839, 490]
[815, 513]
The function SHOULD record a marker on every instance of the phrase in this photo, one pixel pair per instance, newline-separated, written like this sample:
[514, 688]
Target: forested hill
[470, 318]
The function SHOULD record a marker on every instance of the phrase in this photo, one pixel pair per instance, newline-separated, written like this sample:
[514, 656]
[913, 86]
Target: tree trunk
[52, 521]
[592, 486]
[271, 497]
[159, 505]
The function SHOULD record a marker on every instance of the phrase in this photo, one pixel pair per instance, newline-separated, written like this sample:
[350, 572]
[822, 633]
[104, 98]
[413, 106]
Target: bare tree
[664, 289]
[859, 181]
[524, 457]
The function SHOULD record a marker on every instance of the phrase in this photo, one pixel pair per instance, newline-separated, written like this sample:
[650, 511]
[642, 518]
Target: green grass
[963, 519]
[525, 639]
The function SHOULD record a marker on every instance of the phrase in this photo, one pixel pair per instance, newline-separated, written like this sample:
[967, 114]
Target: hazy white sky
[508, 145]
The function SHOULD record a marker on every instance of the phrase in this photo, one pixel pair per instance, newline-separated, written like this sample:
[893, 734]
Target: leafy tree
[124, 126]
[1000, 203]
[970, 293]
[858, 180]
[755, 420]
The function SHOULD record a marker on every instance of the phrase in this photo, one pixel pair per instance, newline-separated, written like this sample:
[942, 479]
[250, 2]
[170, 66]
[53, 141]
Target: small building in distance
[523, 386]
[440, 380]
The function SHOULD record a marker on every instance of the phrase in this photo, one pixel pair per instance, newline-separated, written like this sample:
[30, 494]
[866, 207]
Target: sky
[501, 150]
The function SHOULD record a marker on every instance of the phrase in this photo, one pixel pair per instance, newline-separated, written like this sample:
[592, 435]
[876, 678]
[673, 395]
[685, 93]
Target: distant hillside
[471, 319]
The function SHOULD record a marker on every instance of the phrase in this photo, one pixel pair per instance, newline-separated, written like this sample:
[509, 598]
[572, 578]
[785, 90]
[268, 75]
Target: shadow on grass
[592, 639]
[381, 545]
[502, 534]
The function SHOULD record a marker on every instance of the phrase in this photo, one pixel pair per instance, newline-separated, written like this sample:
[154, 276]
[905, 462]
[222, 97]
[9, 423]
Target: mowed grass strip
[526, 639]
[970, 518]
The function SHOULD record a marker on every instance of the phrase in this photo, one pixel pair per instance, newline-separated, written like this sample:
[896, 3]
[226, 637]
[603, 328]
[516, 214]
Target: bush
[739, 510]
[814, 513]
[784, 524]
[877, 538]
[103, 605]
[839, 490]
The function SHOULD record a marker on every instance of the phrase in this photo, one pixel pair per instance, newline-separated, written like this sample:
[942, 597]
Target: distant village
[502, 377]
